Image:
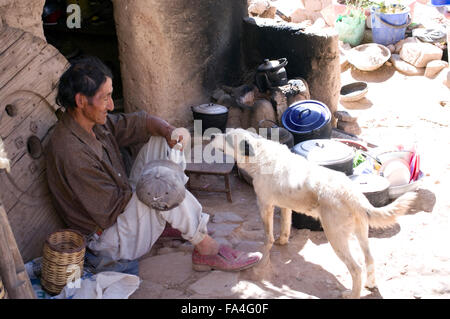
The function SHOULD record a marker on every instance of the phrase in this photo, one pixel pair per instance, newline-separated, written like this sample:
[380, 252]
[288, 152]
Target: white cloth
[105, 285]
[139, 226]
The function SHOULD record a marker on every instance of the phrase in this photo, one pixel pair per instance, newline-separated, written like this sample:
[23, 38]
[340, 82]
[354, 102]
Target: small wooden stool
[223, 169]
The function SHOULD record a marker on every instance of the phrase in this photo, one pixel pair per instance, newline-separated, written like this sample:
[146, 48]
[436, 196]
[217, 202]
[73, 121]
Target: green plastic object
[350, 28]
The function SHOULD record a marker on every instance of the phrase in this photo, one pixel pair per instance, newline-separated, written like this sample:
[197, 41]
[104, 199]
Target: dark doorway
[95, 35]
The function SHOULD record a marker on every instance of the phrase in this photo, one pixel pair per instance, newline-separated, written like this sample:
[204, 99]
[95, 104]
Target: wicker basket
[2, 290]
[63, 259]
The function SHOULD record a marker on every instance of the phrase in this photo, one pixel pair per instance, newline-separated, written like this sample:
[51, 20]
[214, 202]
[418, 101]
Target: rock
[344, 116]
[269, 13]
[217, 94]
[226, 100]
[216, 284]
[434, 67]
[302, 16]
[221, 230]
[234, 117]
[249, 290]
[227, 217]
[281, 103]
[391, 48]
[399, 44]
[222, 241]
[313, 5]
[249, 246]
[257, 7]
[419, 54]
[349, 127]
[405, 67]
[261, 110]
[178, 265]
[296, 90]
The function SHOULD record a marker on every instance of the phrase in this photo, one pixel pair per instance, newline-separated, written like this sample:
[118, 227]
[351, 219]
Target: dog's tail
[386, 216]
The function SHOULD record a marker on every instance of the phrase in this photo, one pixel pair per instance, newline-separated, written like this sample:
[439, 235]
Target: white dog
[289, 181]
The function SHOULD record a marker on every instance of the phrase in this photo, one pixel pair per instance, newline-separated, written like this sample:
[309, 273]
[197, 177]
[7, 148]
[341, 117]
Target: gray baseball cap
[161, 186]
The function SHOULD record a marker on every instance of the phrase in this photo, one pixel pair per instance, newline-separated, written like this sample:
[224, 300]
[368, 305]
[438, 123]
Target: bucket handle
[394, 25]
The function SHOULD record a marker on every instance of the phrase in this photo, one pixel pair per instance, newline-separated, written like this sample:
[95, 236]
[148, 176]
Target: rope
[394, 25]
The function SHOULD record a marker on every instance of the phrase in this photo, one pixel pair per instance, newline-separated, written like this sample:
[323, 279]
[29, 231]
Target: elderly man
[89, 185]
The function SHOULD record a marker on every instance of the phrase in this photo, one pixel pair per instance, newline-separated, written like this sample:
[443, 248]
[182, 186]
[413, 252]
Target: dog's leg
[286, 215]
[362, 233]
[266, 212]
[338, 239]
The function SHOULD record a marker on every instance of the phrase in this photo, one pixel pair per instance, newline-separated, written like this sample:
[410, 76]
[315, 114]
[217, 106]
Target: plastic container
[440, 2]
[350, 27]
[389, 28]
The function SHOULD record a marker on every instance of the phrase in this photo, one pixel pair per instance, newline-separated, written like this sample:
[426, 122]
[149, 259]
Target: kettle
[271, 74]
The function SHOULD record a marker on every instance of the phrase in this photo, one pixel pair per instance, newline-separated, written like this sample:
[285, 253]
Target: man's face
[98, 106]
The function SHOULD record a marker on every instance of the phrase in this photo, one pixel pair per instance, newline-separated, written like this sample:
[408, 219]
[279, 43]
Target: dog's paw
[371, 282]
[373, 287]
[282, 240]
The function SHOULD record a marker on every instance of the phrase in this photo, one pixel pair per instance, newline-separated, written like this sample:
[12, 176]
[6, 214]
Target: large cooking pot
[211, 115]
[328, 153]
[271, 74]
[306, 120]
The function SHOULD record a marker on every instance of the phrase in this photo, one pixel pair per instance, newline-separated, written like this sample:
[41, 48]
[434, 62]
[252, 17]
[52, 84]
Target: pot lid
[270, 65]
[324, 152]
[306, 116]
[210, 108]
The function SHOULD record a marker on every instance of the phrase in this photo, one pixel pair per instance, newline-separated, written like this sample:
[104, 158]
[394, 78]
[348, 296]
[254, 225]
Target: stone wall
[23, 14]
[175, 53]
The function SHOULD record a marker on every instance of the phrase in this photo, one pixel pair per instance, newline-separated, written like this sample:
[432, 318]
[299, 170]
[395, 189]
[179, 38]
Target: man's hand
[178, 138]
[172, 138]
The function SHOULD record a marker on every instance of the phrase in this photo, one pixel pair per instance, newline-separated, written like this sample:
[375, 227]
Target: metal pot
[271, 74]
[328, 153]
[308, 119]
[211, 115]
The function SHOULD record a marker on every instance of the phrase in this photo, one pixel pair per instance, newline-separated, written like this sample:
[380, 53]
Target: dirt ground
[412, 258]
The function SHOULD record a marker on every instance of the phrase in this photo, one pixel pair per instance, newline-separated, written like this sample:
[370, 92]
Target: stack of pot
[310, 123]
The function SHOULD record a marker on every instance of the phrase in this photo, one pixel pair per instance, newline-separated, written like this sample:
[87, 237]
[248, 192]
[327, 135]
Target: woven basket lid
[161, 187]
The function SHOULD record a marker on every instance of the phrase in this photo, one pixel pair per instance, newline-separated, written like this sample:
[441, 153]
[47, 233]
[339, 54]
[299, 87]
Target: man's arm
[159, 127]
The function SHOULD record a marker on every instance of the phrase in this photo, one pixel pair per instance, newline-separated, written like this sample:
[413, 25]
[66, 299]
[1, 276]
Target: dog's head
[237, 143]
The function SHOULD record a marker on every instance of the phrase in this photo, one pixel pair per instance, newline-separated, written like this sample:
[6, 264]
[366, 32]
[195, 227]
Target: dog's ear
[246, 149]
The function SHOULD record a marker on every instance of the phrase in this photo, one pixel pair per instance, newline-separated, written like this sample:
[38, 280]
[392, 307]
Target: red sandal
[227, 259]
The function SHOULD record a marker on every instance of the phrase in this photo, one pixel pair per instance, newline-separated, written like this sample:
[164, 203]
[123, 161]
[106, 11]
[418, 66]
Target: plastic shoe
[227, 259]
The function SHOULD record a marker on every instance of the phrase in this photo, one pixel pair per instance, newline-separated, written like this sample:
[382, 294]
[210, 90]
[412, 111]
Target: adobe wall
[24, 15]
[174, 53]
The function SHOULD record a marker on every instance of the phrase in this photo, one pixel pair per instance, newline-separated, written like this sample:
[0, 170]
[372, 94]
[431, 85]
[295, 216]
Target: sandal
[227, 259]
